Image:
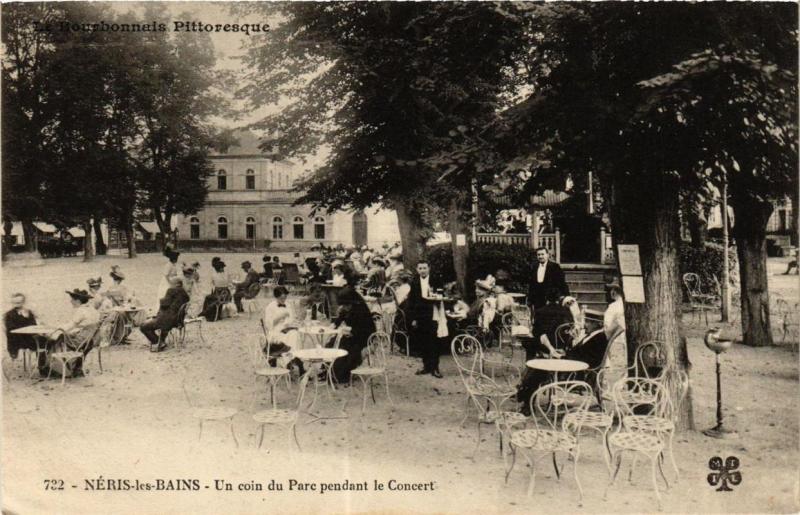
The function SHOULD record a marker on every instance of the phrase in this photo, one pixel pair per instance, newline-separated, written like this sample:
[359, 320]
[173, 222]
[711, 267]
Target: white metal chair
[79, 346]
[250, 301]
[211, 414]
[700, 301]
[376, 366]
[638, 436]
[551, 433]
[261, 368]
[283, 417]
[481, 390]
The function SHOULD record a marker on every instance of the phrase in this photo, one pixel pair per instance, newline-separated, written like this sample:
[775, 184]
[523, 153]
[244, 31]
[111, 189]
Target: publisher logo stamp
[725, 474]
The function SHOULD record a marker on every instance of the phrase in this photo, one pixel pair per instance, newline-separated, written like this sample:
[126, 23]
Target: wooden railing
[550, 241]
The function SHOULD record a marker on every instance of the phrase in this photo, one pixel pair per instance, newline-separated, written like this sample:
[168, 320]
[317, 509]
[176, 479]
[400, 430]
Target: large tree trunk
[31, 239]
[130, 240]
[697, 224]
[651, 221]
[411, 236]
[88, 248]
[793, 224]
[750, 231]
[164, 226]
[460, 252]
[100, 246]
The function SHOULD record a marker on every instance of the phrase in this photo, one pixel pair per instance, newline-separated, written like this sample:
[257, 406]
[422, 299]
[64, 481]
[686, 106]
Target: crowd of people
[345, 287]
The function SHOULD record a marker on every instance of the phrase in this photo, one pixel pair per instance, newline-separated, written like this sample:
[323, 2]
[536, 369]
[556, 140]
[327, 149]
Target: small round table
[557, 366]
[316, 358]
[40, 330]
[124, 323]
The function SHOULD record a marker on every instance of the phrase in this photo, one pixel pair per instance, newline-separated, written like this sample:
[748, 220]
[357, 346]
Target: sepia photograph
[435, 257]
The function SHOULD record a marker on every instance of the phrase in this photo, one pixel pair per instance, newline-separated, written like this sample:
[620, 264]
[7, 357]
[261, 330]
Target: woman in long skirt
[220, 294]
[169, 271]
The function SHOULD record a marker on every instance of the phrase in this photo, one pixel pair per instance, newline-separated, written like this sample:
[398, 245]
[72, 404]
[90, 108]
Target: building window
[222, 228]
[222, 180]
[250, 180]
[277, 228]
[298, 226]
[319, 228]
[194, 228]
[250, 228]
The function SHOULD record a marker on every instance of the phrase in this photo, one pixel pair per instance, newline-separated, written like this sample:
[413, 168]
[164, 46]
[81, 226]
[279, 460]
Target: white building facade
[250, 206]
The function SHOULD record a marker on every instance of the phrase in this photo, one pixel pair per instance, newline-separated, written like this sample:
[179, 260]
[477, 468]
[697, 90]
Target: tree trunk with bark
[411, 236]
[697, 224]
[100, 245]
[88, 247]
[652, 222]
[750, 232]
[31, 238]
[164, 222]
[460, 252]
[129, 237]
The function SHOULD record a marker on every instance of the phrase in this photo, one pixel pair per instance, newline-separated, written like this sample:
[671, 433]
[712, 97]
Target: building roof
[247, 145]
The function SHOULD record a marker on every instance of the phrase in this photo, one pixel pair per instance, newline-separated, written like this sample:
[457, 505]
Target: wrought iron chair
[788, 316]
[284, 417]
[376, 366]
[630, 396]
[552, 433]
[700, 301]
[400, 331]
[79, 346]
[481, 390]
[262, 368]
[211, 414]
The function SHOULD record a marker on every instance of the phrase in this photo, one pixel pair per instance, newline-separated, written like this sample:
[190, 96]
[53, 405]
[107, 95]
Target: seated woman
[69, 336]
[355, 322]
[99, 300]
[376, 277]
[280, 324]
[191, 283]
[214, 303]
[117, 292]
[591, 349]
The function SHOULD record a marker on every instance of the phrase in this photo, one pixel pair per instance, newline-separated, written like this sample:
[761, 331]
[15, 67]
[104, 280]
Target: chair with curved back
[481, 390]
[211, 414]
[223, 298]
[699, 300]
[284, 417]
[78, 345]
[261, 368]
[631, 396]
[375, 366]
[552, 433]
[400, 330]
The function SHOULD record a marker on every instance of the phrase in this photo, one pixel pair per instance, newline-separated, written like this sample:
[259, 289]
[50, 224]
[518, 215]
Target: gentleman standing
[548, 275]
[242, 287]
[168, 312]
[423, 326]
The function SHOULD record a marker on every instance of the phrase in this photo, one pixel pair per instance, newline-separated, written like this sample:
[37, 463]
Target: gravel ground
[133, 422]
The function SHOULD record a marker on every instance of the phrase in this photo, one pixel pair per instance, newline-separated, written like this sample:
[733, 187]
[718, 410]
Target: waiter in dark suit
[546, 276]
[168, 311]
[419, 311]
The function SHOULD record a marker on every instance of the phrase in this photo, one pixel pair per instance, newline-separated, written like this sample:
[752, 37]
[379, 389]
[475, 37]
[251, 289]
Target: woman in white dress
[169, 271]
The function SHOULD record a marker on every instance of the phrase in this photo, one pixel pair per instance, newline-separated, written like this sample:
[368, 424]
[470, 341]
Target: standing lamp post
[725, 304]
[714, 343]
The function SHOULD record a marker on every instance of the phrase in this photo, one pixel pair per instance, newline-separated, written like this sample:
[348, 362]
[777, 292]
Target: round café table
[124, 323]
[557, 366]
[40, 330]
[36, 330]
[317, 358]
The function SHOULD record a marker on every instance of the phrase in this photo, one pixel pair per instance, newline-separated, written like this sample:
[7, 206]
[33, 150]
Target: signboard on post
[629, 263]
[630, 266]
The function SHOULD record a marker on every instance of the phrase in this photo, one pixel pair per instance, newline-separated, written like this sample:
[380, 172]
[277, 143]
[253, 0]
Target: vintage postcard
[399, 257]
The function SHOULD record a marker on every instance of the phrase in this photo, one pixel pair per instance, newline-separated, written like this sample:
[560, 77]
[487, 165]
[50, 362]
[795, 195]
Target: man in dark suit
[168, 312]
[546, 276]
[420, 315]
[242, 287]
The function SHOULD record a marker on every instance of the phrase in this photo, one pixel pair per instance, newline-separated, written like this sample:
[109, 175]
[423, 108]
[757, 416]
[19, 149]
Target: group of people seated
[90, 308]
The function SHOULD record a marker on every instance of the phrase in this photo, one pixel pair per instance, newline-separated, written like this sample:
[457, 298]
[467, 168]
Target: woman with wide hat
[83, 324]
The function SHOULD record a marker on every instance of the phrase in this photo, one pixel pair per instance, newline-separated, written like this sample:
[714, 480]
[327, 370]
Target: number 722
[53, 484]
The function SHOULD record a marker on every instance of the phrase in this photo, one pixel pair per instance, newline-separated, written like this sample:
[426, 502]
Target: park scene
[307, 257]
